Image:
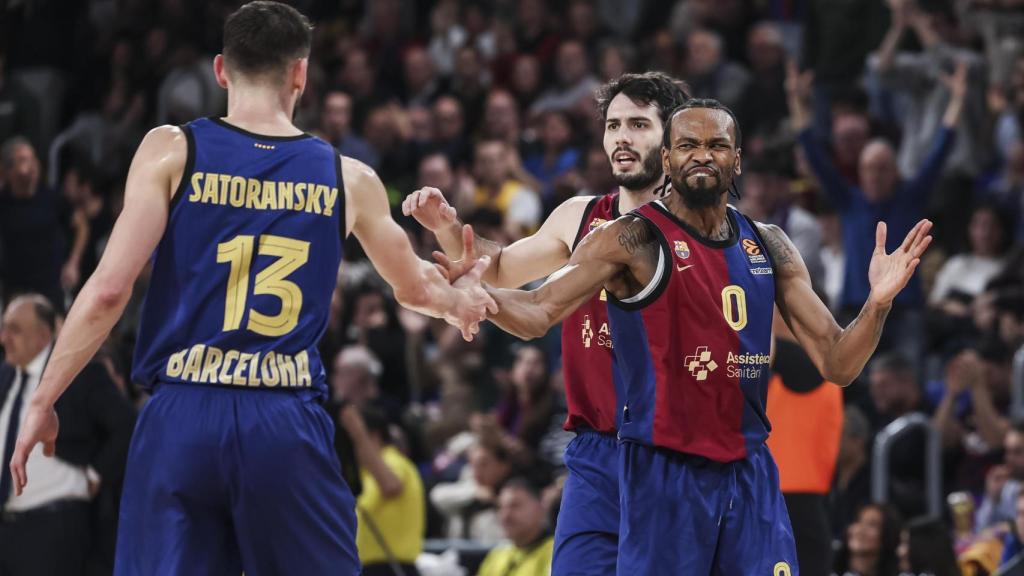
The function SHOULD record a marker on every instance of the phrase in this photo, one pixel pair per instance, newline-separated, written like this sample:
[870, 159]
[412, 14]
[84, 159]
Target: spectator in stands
[575, 82]
[1007, 190]
[964, 276]
[870, 545]
[972, 416]
[336, 128]
[880, 196]
[391, 508]
[557, 157]
[422, 85]
[468, 504]
[763, 108]
[65, 521]
[92, 219]
[527, 410]
[926, 549]
[922, 80]
[1003, 482]
[31, 224]
[450, 130]
[18, 112]
[895, 392]
[711, 75]
[1013, 548]
[498, 189]
[767, 199]
[525, 524]
[853, 471]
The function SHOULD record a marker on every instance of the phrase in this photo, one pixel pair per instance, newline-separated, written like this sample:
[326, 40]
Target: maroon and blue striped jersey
[587, 358]
[692, 348]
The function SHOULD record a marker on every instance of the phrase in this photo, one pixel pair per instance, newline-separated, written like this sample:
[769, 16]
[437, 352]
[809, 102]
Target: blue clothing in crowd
[859, 217]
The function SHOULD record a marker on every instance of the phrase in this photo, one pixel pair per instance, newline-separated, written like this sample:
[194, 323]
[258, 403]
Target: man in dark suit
[65, 521]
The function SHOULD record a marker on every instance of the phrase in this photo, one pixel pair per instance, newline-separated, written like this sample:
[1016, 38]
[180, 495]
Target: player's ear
[299, 70]
[664, 161]
[737, 166]
[219, 71]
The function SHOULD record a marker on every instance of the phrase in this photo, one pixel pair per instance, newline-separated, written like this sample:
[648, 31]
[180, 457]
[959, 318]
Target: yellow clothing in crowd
[508, 560]
[401, 520]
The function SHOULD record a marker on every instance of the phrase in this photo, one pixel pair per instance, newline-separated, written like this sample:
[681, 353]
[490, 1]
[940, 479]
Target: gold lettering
[225, 185]
[254, 373]
[313, 202]
[238, 378]
[196, 179]
[214, 356]
[175, 364]
[252, 194]
[302, 360]
[286, 366]
[330, 197]
[225, 371]
[237, 191]
[268, 370]
[300, 196]
[269, 195]
[211, 192]
[285, 200]
[194, 362]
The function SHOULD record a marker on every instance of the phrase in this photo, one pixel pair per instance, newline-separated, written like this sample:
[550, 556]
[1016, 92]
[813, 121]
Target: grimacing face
[702, 158]
[632, 141]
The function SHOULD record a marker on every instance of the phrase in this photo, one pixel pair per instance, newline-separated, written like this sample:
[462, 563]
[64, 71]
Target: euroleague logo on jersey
[753, 251]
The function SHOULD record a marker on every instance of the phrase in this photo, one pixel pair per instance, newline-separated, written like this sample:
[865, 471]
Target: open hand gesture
[473, 303]
[41, 425]
[889, 273]
[428, 206]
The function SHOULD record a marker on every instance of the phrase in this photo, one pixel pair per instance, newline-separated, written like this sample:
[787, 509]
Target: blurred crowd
[851, 112]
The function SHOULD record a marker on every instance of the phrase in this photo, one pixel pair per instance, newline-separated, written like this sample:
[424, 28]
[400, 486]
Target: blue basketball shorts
[587, 533]
[221, 481]
[685, 515]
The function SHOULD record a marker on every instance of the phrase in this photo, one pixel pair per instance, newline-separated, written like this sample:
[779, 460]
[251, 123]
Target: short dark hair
[525, 484]
[894, 362]
[262, 37]
[708, 104]
[656, 88]
[377, 423]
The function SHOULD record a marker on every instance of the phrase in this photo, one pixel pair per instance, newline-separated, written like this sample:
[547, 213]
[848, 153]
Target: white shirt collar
[35, 367]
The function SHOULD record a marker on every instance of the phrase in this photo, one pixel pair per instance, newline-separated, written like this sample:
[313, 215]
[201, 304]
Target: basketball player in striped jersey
[634, 108]
[232, 466]
[691, 287]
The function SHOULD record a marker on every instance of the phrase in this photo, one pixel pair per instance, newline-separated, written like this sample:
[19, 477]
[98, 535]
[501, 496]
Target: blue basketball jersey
[242, 279]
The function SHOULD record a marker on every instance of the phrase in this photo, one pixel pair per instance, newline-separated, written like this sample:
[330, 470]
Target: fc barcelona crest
[596, 222]
[682, 250]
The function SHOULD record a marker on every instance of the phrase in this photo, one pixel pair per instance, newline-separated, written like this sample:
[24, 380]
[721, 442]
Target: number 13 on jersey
[238, 253]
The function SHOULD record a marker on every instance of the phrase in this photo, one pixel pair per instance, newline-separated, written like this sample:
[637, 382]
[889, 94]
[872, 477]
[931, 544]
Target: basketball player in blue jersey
[232, 466]
[691, 286]
[635, 108]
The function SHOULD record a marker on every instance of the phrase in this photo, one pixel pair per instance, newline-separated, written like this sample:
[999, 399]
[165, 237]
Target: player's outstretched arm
[626, 245]
[418, 284]
[511, 266]
[158, 164]
[840, 354]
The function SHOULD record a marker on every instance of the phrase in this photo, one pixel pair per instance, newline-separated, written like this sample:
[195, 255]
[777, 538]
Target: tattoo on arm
[780, 250]
[635, 236]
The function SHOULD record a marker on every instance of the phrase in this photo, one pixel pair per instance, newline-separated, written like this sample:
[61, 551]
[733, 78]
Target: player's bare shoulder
[163, 156]
[624, 240]
[364, 190]
[785, 257]
[565, 220]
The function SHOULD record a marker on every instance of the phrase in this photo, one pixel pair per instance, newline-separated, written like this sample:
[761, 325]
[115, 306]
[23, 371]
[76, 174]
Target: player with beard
[634, 108]
[691, 284]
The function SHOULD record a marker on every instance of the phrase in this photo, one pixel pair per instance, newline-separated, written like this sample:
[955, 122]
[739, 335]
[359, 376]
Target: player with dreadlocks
[691, 286]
